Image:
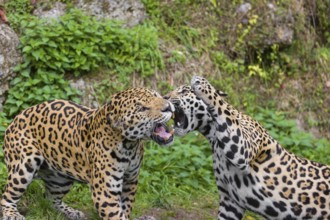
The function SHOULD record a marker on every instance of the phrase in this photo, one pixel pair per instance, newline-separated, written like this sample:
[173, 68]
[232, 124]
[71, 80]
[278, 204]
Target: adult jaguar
[63, 141]
[252, 170]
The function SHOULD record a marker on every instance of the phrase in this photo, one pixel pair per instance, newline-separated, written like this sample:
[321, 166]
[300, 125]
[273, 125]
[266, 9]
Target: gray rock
[131, 12]
[55, 11]
[145, 217]
[10, 56]
[275, 24]
[87, 92]
[244, 8]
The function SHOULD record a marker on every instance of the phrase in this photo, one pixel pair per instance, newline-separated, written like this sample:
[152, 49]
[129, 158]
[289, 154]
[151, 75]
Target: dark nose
[167, 97]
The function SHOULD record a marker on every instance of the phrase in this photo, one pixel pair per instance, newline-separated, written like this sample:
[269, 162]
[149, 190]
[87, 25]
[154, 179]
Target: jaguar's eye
[143, 109]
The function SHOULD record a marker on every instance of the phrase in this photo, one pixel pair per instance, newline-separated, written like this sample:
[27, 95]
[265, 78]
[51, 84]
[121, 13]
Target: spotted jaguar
[252, 170]
[61, 142]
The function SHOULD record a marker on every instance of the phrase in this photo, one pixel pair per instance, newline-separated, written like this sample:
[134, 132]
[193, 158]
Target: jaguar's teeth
[179, 124]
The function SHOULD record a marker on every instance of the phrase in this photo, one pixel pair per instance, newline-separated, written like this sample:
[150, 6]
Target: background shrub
[77, 44]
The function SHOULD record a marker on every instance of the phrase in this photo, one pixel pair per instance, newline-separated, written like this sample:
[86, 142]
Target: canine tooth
[179, 124]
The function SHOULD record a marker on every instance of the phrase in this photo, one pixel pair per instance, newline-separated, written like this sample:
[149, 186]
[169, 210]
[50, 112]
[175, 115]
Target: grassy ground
[199, 205]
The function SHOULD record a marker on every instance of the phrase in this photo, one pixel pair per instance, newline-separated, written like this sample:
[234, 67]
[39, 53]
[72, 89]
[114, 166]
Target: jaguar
[252, 170]
[61, 142]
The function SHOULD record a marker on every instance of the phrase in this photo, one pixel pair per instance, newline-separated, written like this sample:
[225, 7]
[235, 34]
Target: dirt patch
[181, 214]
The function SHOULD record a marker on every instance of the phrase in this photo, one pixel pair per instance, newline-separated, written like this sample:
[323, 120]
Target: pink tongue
[161, 132]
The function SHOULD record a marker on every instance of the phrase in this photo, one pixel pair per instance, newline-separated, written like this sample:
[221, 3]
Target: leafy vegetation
[27, 90]
[163, 173]
[299, 142]
[77, 44]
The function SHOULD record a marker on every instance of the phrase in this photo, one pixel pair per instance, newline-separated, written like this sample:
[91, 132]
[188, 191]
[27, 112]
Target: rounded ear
[112, 118]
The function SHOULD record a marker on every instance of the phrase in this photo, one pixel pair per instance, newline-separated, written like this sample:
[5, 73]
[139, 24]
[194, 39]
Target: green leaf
[19, 103]
[16, 81]
[13, 110]
[27, 49]
[26, 73]
[52, 44]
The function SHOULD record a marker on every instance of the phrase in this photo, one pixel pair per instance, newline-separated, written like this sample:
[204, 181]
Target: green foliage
[17, 11]
[27, 90]
[185, 166]
[4, 122]
[153, 8]
[322, 59]
[320, 18]
[226, 65]
[77, 44]
[177, 57]
[174, 25]
[257, 36]
[18, 7]
[107, 87]
[299, 142]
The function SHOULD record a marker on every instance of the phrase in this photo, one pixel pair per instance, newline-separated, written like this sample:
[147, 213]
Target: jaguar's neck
[226, 119]
[234, 134]
[97, 121]
[208, 129]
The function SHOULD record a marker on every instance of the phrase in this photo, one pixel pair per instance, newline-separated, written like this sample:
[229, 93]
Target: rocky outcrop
[131, 12]
[55, 11]
[275, 25]
[85, 86]
[9, 57]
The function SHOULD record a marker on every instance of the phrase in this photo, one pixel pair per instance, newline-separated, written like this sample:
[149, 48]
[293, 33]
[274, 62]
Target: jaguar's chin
[162, 135]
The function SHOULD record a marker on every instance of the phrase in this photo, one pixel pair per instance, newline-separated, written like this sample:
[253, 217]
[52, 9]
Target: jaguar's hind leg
[20, 174]
[56, 188]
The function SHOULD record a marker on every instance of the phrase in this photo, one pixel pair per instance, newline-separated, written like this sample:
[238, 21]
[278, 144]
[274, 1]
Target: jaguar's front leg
[128, 195]
[106, 193]
[228, 209]
[130, 181]
[130, 186]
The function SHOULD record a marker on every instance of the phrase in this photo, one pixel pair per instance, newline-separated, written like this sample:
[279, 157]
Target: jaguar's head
[140, 113]
[190, 111]
[204, 90]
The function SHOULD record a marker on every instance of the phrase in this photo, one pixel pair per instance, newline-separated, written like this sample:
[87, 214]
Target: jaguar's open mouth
[162, 134]
[180, 118]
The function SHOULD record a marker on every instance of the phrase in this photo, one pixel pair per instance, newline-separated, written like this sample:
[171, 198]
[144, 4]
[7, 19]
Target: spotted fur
[63, 142]
[253, 172]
